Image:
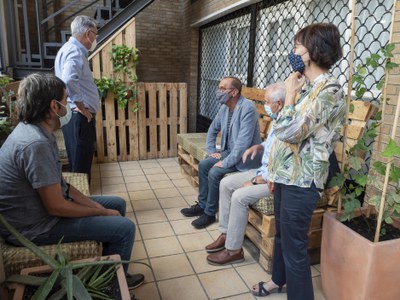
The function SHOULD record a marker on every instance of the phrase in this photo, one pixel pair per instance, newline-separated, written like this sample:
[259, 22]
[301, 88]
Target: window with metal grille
[228, 46]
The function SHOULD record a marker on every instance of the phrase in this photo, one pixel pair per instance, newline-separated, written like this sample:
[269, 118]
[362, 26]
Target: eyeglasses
[222, 89]
[95, 33]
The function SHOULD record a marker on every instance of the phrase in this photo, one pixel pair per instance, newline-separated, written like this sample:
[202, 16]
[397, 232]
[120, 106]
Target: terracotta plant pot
[19, 288]
[353, 267]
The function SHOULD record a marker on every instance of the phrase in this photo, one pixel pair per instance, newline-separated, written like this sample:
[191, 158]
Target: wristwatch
[254, 180]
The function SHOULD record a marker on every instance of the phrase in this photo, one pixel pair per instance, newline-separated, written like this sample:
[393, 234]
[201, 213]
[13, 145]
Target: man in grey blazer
[237, 119]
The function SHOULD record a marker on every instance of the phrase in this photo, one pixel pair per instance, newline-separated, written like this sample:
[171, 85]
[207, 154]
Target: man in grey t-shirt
[34, 197]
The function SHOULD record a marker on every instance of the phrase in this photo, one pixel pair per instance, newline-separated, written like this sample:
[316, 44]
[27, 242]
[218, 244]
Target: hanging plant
[124, 61]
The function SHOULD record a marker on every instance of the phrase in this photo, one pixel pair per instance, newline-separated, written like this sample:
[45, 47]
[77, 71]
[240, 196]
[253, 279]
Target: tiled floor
[155, 191]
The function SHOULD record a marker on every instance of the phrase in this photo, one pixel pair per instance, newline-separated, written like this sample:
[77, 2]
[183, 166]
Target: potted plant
[84, 279]
[352, 266]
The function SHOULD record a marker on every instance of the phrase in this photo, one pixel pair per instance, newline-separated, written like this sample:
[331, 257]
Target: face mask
[269, 112]
[296, 62]
[94, 44]
[67, 117]
[222, 97]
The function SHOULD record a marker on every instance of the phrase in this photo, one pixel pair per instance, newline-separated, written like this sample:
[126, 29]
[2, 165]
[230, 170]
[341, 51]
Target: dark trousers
[293, 207]
[80, 142]
[209, 179]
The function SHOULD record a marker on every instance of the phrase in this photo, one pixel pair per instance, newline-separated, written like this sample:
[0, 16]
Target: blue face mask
[222, 97]
[269, 112]
[296, 62]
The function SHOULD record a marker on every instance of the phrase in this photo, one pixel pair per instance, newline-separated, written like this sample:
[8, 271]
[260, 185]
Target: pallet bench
[261, 223]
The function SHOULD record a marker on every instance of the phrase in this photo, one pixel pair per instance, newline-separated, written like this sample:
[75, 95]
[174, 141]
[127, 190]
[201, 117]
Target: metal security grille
[228, 46]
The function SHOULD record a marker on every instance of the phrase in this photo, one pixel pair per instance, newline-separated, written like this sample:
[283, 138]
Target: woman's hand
[293, 85]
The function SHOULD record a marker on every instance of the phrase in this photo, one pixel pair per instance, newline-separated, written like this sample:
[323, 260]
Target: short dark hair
[35, 94]
[322, 41]
[236, 83]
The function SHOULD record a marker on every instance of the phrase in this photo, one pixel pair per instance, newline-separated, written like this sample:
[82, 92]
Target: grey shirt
[29, 160]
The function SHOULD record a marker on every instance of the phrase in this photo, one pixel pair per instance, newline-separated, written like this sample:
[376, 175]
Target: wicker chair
[14, 259]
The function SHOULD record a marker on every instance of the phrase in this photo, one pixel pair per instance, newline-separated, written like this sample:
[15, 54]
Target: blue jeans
[209, 179]
[293, 208]
[80, 143]
[117, 233]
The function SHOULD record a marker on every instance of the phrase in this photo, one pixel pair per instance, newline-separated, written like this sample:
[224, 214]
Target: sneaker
[193, 211]
[134, 280]
[203, 221]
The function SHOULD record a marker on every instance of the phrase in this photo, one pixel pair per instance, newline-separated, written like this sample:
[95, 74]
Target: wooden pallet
[189, 166]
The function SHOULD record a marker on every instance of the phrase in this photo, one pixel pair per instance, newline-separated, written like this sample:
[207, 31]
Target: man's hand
[80, 107]
[111, 212]
[218, 164]
[252, 151]
[215, 155]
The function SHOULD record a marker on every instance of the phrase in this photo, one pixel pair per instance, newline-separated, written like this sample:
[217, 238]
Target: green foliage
[354, 165]
[5, 124]
[124, 61]
[89, 281]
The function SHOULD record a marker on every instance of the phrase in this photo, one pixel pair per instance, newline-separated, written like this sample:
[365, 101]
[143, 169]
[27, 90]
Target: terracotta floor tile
[175, 175]
[140, 205]
[150, 216]
[133, 172]
[198, 259]
[188, 191]
[139, 267]
[138, 251]
[172, 202]
[109, 167]
[314, 272]
[173, 169]
[154, 171]
[142, 195]
[185, 226]
[126, 165]
[111, 173]
[191, 199]
[135, 179]
[163, 246]
[131, 216]
[156, 230]
[166, 192]
[155, 177]
[161, 184]
[167, 164]
[195, 241]
[245, 296]
[147, 291]
[174, 213]
[171, 266]
[223, 283]
[112, 180]
[252, 274]
[115, 188]
[137, 186]
[318, 267]
[187, 287]
[181, 182]
[149, 165]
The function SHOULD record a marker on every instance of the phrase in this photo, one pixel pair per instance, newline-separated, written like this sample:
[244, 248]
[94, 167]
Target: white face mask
[94, 44]
[67, 117]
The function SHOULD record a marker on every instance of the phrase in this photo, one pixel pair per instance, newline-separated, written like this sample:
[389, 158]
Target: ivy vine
[125, 60]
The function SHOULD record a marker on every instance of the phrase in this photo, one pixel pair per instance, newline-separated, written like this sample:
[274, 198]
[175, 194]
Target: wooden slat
[355, 129]
[163, 128]
[152, 90]
[173, 128]
[253, 93]
[182, 108]
[362, 110]
[99, 120]
[142, 121]
[133, 127]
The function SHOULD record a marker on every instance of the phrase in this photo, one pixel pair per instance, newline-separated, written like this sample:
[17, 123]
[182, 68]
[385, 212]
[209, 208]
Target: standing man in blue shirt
[242, 189]
[72, 66]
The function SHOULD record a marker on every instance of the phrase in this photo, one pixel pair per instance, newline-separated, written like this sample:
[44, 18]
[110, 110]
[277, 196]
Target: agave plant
[84, 280]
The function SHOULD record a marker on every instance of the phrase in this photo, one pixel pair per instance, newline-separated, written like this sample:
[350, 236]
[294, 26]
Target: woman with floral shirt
[306, 133]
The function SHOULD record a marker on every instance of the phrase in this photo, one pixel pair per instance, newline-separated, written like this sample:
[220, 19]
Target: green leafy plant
[80, 280]
[124, 61]
[6, 125]
[355, 165]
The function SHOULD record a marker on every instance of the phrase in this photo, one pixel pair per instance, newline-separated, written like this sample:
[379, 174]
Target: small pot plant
[64, 279]
[124, 60]
[353, 266]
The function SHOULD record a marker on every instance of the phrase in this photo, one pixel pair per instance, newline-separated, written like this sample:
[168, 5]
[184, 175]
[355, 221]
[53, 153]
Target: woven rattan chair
[14, 259]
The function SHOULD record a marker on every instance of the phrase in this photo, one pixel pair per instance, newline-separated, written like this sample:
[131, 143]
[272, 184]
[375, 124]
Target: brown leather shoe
[217, 245]
[226, 257]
